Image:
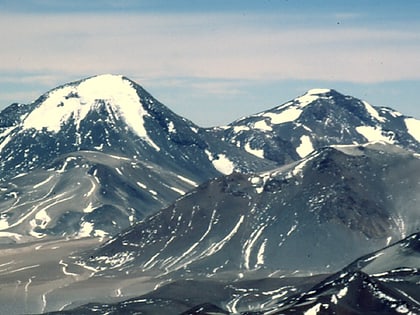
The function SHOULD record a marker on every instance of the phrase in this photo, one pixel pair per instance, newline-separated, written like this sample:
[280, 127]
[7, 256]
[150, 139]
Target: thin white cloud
[218, 46]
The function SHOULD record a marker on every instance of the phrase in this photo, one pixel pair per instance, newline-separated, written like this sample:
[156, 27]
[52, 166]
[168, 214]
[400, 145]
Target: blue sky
[214, 61]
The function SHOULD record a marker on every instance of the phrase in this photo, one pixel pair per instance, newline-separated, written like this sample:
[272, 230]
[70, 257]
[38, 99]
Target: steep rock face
[313, 216]
[319, 118]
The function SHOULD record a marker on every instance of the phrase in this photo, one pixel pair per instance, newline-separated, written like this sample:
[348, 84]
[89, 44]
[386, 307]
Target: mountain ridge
[318, 118]
[113, 115]
[258, 216]
[248, 222]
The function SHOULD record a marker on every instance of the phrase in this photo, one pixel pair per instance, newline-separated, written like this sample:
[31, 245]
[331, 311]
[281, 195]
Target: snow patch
[249, 244]
[7, 139]
[402, 309]
[43, 218]
[259, 182]
[100, 233]
[342, 293]
[16, 236]
[305, 146]
[86, 229]
[373, 257]
[260, 254]
[373, 112]
[142, 185]
[292, 229]
[215, 247]
[89, 208]
[238, 129]
[413, 127]
[187, 180]
[117, 260]
[43, 182]
[311, 96]
[262, 125]
[4, 223]
[290, 114]
[318, 91]
[257, 152]
[171, 127]
[373, 134]
[221, 163]
[177, 190]
[313, 310]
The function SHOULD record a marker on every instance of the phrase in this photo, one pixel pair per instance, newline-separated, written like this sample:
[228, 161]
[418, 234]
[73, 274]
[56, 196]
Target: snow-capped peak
[317, 91]
[311, 96]
[75, 101]
[290, 111]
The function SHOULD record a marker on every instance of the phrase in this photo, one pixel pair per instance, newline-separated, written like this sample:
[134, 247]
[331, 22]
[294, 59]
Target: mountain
[94, 156]
[314, 216]
[261, 216]
[383, 282]
[319, 118]
[113, 115]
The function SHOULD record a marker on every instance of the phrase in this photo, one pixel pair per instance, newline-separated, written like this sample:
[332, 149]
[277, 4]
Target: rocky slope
[308, 217]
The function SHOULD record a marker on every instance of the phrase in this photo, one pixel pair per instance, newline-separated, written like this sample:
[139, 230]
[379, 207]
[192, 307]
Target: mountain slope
[146, 156]
[383, 282]
[110, 114]
[85, 193]
[314, 216]
[319, 118]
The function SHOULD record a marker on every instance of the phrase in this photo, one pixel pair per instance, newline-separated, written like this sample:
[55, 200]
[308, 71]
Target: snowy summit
[75, 101]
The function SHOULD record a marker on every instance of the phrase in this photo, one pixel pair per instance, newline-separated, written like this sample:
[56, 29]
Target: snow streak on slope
[373, 112]
[75, 102]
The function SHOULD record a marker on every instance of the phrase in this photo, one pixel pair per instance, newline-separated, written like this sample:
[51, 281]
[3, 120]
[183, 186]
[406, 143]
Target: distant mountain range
[260, 216]
[128, 155]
